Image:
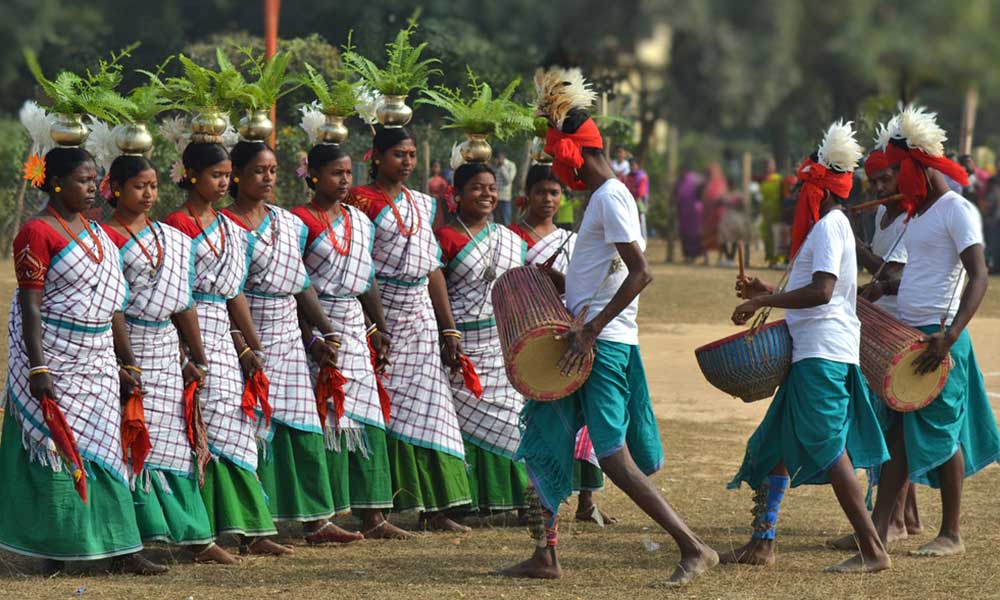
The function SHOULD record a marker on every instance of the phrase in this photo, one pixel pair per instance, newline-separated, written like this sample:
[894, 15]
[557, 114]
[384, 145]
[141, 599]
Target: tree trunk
[968, 118]
[670, 183]
[18, 210]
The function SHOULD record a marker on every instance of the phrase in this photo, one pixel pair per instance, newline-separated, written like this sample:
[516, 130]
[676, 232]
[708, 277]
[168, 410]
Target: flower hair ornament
[37, 122]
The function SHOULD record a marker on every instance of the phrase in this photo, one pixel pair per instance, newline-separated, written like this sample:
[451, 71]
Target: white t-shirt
[831, 331]
[611, 218]
[887, 245]
[934, 275]
[620, 168]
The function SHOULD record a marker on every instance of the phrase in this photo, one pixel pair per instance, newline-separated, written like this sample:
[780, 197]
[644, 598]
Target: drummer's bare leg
[911, 516]
[543, 525]
[872, 556]
[767, 500]
[696, 556]
[948, 541]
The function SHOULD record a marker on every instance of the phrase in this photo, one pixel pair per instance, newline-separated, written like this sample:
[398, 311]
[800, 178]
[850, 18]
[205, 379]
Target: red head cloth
[816, 179]
[566, 151]
[876, 161]
[912, 177]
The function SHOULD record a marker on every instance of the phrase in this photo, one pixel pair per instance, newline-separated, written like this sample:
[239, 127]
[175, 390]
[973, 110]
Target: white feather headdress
[839, 149]
[38, 123]
[101, 143]
[312, 119]
[560, 91]
[919, 129]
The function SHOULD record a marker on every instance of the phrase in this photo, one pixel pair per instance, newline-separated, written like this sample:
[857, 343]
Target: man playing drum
[614, 402]
[956, 435]
[821, 423]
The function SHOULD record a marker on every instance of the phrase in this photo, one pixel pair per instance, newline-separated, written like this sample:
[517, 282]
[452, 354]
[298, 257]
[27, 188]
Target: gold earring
[315, 179]
[377, 162]
[194, 180]
[236, 179]
[57, 189]
[118, 194]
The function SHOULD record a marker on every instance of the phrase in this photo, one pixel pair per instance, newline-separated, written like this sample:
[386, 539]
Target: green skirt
[587, 477]
[44, 517]
[822, 409]
[497, 483]
[425, 479]
[235, 500]
[358, 481]
[295, 476]
[960, 418]
[172, 510]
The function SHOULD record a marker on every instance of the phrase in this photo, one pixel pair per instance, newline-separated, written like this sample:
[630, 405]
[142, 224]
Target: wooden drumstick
[877, 202]
[739, 258]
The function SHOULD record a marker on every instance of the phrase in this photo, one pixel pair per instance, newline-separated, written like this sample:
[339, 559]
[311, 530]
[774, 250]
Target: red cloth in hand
[135, 435]
[470, 377]
[189, 393]
[330, 385]
[383, 395]
[255, 392]
[62, 436]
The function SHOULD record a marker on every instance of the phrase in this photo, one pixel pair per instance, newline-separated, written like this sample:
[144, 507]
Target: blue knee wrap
[767, 501]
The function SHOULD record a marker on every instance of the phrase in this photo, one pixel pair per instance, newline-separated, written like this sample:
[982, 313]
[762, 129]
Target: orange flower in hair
[34, 170]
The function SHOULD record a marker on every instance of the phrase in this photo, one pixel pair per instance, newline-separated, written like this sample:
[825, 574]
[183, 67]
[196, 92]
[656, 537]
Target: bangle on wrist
[312, 342]
[243, 352]
[185, 363]
[371, 330]
[453, 333]
[132, 368]
[39, 370]
[235, 332]
[201, 367]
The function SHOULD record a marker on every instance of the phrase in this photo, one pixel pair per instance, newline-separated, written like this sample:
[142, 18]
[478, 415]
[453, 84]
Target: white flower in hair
[368, 101]
[312, 119]
[101, 143]
[920, 130]
[39, 124]
[457, 160]
[839, 149]
[176, 131]
[560, 91]
[177, 171]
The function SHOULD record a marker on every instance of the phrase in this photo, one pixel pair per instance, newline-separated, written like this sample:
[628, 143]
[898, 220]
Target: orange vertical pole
[271, 10]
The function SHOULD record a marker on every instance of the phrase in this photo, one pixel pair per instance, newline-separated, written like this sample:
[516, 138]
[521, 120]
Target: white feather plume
[312, 119]
[885, 132]
[176, 131]
[457, 160]
[230, 137]
[839, 149]
[38, 123]
[920, 130]
[101, 143]
[561, 90]
[368, 101]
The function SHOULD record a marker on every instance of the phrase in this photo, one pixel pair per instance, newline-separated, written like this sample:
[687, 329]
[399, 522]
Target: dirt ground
[703, 432]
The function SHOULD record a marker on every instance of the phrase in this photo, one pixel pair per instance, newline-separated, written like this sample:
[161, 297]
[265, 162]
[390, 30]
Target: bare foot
[914, 528]
[858, 564]
[543, 564]
[594, 515]
[849, 543]
[384, 530]
[440, 522]
[267, 547]
[137, 564]
[689, 568]
[215, 554]
[940, 546]
[755, 552]
[330, 533]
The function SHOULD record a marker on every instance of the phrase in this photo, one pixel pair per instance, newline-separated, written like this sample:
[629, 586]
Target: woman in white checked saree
[293, 471]
[339, 262]
[544, 238]
[426, 452]
[476, 252]
[156, 260]
[65, 487]
[232, 493]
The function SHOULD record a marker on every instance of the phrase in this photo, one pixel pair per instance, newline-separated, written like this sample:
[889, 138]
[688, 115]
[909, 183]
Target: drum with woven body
[749, 365]
[529, 314]
[888, 349]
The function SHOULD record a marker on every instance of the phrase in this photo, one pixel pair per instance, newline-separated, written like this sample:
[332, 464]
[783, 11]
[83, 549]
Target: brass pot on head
[537, 152]
[475, 148]
[69, 131]
[207, 127]
[332, 131]
[134, 139]
[392, 111]
[256, 126]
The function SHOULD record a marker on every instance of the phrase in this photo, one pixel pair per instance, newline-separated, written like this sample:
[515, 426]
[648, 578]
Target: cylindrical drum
[888, 349]
[749, 365]
[529, 316]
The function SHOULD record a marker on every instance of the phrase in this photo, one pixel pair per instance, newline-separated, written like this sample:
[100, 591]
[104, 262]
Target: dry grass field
[703, 434]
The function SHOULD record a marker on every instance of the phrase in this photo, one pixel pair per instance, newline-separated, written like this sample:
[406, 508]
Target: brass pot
[207, 127]
[134, 139]
[537, 152]
[475, 148]
[256, 126]
[392, 111]
[69, 131]
[332, 131]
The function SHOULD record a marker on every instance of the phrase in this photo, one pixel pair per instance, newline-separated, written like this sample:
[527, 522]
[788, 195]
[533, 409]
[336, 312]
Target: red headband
[877, 161]
[816, 179]
[912, 178]
[565, 149]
